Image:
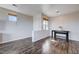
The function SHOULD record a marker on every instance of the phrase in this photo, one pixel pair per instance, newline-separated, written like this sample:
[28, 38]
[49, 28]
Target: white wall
[37, 22]
[15, 30]
[38, 32]
[69, 22]
[37, 35]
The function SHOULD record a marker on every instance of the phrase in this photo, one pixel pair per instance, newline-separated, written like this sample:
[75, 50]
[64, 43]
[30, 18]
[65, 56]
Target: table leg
[67, 37]
[52, 34]
[55, 35]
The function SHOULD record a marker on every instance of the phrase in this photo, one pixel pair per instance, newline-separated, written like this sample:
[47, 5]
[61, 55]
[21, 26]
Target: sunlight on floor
[53, 40]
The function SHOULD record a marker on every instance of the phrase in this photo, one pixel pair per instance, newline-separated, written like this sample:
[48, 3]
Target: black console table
[60, 32]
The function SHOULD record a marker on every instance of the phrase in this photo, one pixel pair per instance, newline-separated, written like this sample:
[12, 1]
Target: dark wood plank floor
[45, 46]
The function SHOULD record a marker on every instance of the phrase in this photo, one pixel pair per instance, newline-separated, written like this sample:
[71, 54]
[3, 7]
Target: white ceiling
[47, 9]
[28, 9]
[50, 10]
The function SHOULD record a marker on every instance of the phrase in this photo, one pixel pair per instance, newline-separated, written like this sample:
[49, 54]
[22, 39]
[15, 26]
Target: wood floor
[45, 46]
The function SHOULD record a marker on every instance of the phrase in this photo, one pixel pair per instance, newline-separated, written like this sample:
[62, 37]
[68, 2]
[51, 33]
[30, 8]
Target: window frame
[12, 15]
[45, 24]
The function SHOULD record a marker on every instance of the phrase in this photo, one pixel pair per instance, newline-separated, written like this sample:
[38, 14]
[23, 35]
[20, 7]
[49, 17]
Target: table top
[64, 31]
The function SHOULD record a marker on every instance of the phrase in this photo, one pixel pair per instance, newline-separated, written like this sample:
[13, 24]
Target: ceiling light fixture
[14, 5]
[58, 12]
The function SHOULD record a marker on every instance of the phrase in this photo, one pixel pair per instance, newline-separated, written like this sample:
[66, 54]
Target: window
[12, 17]
[45, 24]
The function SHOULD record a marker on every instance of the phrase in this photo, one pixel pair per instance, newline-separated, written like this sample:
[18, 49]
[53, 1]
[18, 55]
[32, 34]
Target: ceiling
[47, 9]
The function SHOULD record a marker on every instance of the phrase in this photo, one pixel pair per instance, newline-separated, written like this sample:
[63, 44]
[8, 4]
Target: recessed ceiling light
[58, 12]
[14, 5]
